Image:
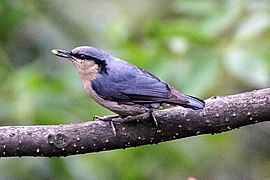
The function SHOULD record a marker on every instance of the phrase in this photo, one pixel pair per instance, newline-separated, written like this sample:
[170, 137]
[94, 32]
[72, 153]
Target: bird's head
[84, 56]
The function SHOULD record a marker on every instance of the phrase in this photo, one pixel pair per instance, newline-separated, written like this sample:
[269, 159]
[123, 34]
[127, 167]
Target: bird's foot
[105, 118]
[108, 118]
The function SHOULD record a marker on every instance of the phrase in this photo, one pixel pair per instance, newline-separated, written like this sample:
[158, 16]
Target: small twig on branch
[220, 114]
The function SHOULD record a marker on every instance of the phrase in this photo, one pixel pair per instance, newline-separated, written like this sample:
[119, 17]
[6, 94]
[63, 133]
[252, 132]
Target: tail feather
[195, 103]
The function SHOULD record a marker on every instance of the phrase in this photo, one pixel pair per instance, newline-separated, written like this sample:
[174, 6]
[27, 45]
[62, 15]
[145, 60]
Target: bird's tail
[195, 103]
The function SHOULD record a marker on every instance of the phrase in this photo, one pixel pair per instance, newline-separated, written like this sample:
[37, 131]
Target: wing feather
[130, 84]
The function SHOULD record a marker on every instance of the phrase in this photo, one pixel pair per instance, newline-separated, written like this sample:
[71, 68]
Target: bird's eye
[82, 56]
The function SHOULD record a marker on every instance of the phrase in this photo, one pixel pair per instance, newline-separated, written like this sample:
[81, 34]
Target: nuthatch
[122, 87]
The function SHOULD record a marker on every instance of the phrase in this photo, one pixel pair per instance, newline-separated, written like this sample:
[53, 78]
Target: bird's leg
[108, 118]
[153, 118]
[113, 127]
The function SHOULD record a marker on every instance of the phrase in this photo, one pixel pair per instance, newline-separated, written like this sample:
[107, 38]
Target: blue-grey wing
[130, 84]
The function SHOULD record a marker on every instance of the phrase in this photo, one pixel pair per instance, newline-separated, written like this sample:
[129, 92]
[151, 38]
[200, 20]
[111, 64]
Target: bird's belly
[120, 108]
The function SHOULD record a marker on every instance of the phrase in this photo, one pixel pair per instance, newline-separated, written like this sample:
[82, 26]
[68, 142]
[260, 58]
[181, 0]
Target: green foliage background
[201, 47]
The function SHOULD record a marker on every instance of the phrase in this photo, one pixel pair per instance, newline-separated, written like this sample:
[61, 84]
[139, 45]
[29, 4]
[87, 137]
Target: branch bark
[220, 114]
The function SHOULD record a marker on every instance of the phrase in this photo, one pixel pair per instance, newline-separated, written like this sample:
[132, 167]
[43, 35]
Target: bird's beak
[61, 53]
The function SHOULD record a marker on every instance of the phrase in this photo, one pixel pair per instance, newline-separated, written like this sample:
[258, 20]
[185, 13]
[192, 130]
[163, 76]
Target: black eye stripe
[83, 56]
[79, 56]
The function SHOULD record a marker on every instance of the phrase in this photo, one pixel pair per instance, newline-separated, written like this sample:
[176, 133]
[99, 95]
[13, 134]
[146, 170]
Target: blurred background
[202, 48]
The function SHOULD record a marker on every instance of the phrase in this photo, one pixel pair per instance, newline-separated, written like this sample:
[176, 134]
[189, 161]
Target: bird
[123, 87]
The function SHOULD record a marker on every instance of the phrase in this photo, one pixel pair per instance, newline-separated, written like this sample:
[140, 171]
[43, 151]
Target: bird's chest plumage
[87, 71]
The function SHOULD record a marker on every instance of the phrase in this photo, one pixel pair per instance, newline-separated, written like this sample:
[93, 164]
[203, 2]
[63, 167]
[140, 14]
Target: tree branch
[220, 114]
